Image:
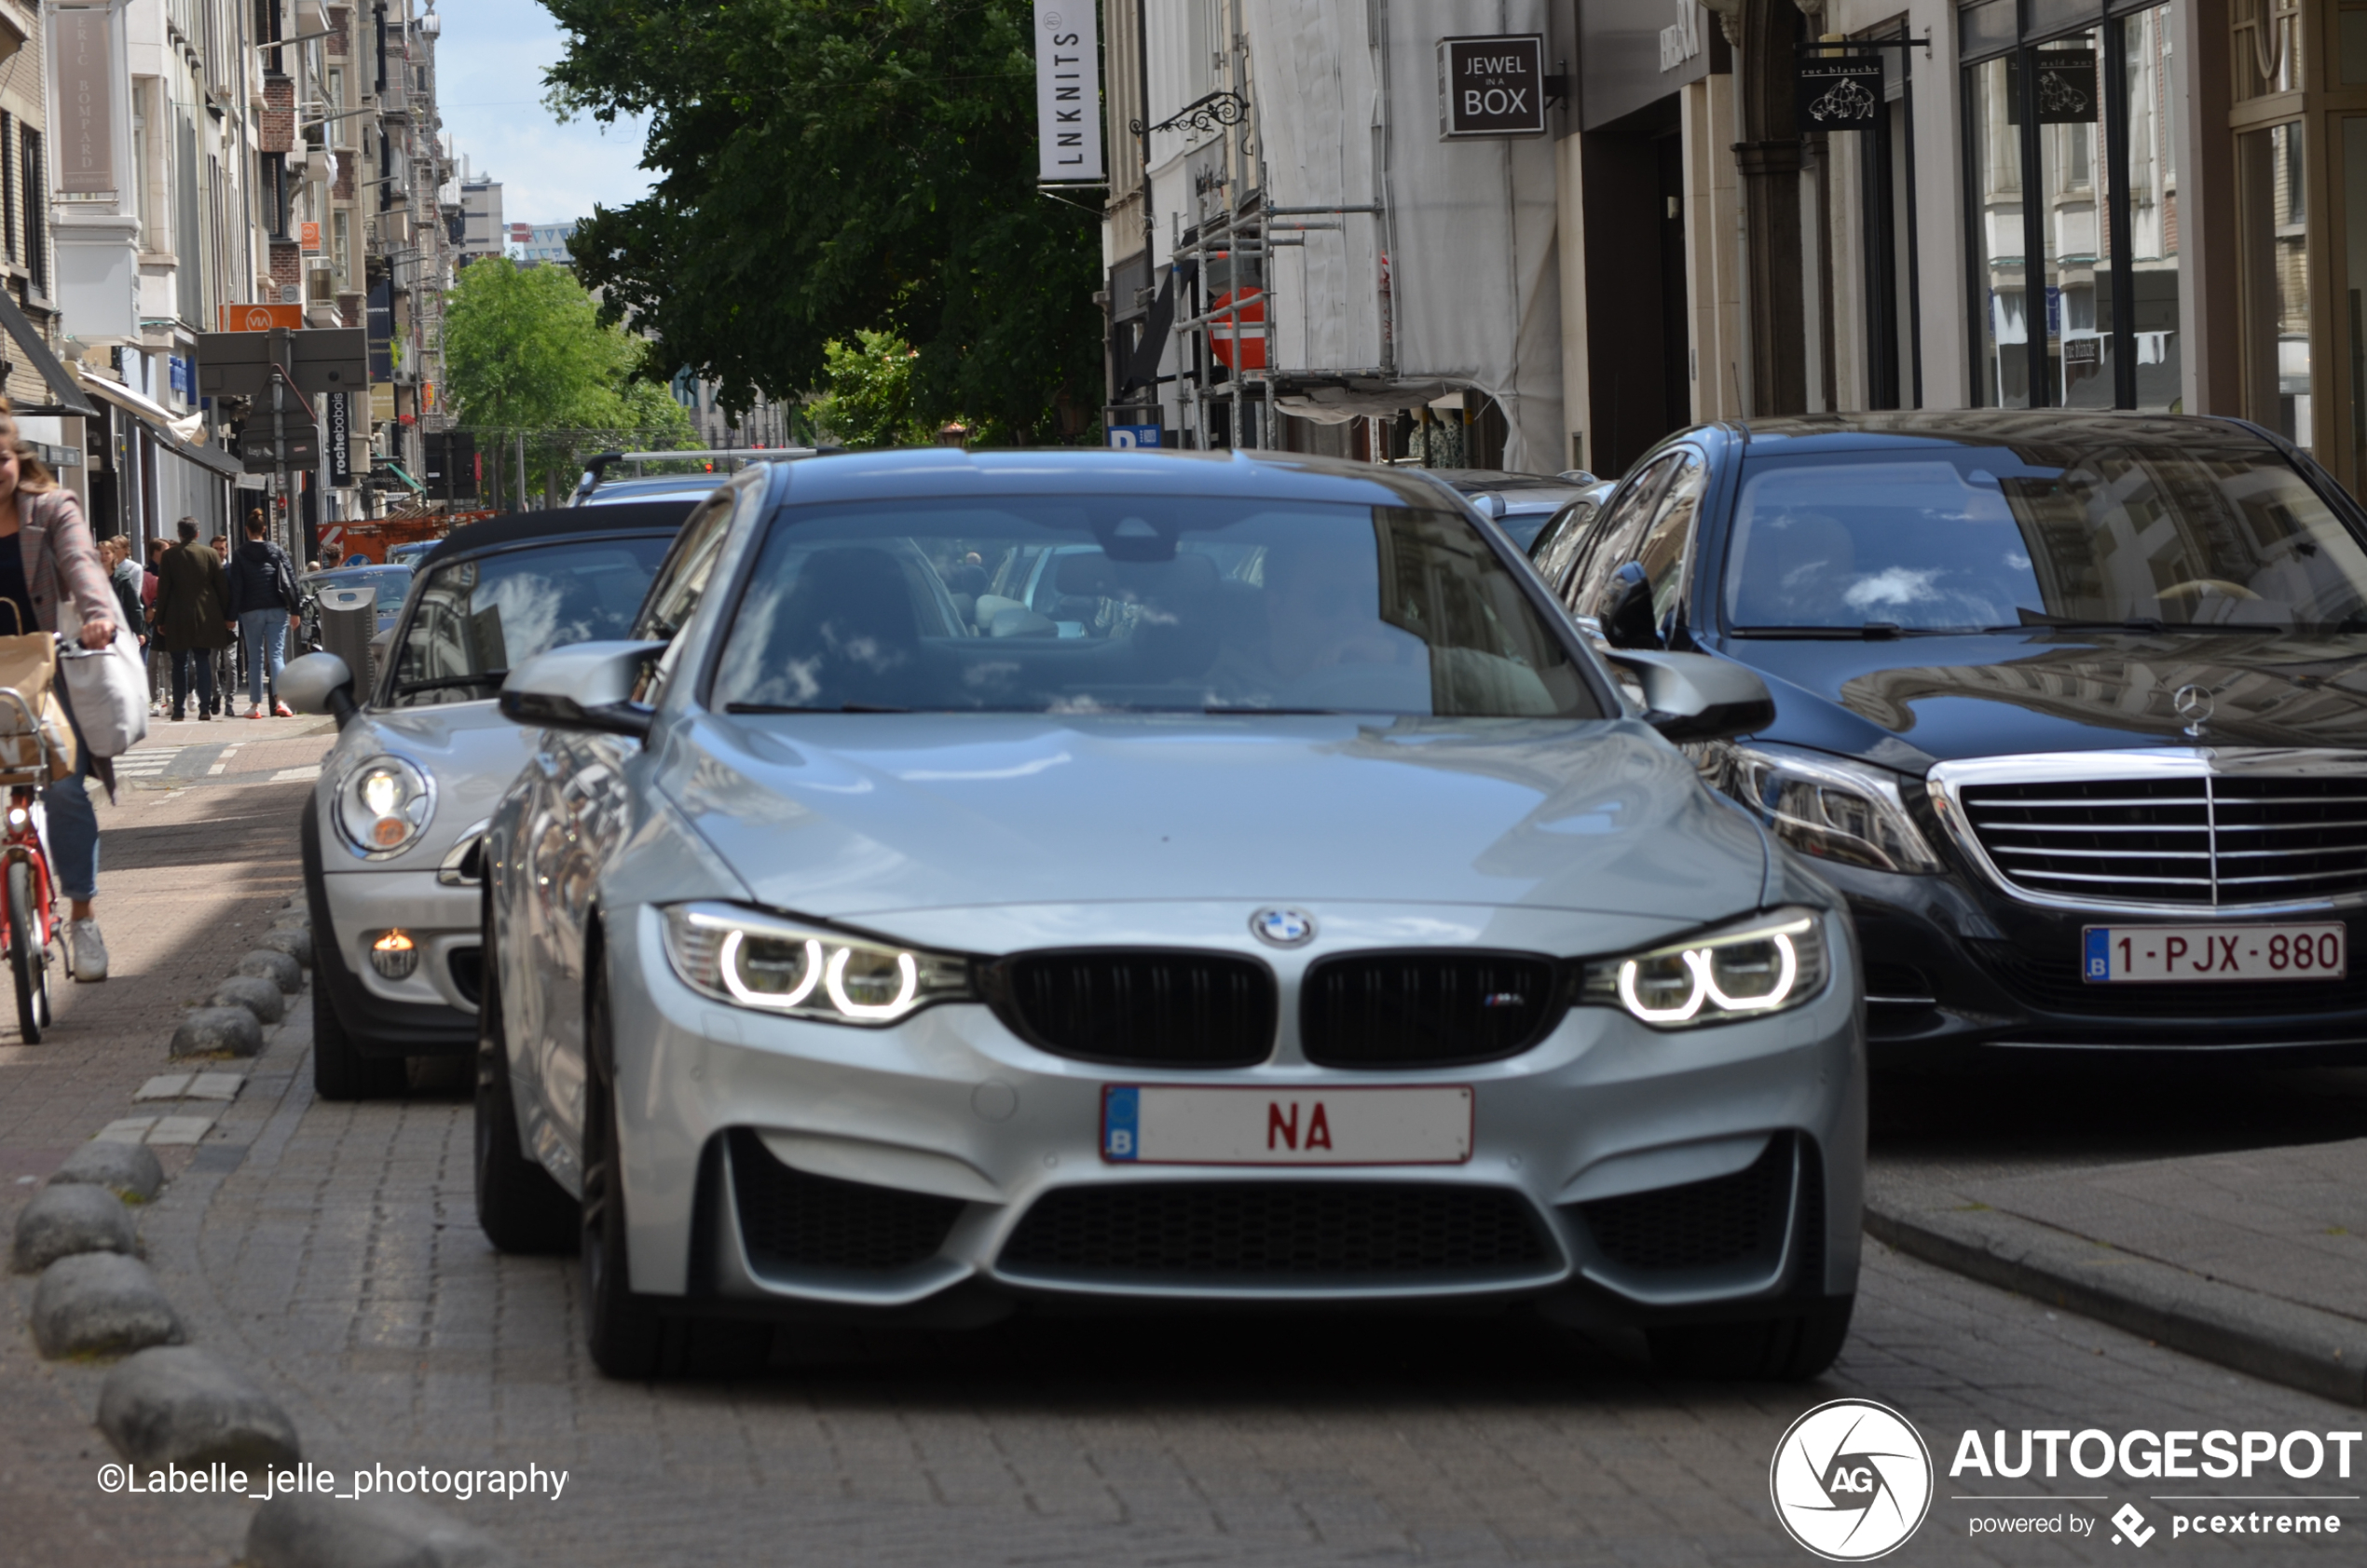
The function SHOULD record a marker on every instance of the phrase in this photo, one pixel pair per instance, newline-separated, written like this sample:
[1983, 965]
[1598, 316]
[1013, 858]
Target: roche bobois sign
[1491, 86]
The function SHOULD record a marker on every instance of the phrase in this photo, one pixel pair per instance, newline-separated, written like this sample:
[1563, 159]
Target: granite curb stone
[294, 941]
[276, 967]
[130, 1170]
[62, 1221]
[206, 1031]
[311, 1531]
[258, 996]
[181, 1405]
[102, 1304]
[2284, 1341]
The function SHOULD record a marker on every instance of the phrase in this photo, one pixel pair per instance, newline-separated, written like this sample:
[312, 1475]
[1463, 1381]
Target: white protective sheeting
[1475, 276]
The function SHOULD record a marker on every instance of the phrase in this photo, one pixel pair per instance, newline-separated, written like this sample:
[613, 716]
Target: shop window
[2273, 231]
[2075, 271]
[2267, 56]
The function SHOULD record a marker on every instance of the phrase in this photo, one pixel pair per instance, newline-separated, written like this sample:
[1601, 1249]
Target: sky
[490, 65]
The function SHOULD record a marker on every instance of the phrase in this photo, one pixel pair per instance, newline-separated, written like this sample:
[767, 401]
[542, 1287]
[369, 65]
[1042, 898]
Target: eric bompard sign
[1068, 93]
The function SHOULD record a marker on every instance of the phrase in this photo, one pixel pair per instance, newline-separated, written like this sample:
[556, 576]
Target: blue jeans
[265, 632]
[72, 822]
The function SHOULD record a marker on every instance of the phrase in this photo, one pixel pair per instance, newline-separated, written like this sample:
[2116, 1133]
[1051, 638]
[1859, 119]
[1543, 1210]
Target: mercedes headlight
[1826, 807]
[1763, 965]
[772, 965]
[384, 805]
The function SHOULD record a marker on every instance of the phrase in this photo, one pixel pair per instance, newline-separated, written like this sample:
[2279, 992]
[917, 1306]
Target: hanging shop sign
[340, 439]
[1838, 92]
[85, 111]
[1492, 86]
[2067, 89]
[1068, 93]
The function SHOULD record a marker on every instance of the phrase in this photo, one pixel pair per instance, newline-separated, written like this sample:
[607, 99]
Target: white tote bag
[109, 689]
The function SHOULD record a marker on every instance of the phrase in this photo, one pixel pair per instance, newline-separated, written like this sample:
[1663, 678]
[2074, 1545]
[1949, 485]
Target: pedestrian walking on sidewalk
[53, 578]
[263, 593]
[160, 662]
[193, 618]
[126, 577]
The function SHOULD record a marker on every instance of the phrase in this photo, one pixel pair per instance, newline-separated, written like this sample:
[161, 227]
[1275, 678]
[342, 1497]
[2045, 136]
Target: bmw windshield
[1088, 604]
[1993, 538]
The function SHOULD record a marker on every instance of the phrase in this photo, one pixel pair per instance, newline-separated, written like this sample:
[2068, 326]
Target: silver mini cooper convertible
[1115, 879]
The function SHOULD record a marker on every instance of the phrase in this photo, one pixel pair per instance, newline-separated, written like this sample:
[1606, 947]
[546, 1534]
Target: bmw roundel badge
[1283, 928]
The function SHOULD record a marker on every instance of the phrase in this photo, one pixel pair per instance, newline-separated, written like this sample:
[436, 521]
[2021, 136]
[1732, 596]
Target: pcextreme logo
[1852, 1480]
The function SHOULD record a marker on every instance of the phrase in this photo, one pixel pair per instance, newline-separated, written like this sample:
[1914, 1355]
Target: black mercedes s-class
[2071, 707]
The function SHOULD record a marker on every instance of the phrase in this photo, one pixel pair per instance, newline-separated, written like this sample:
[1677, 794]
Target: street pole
[282, 373]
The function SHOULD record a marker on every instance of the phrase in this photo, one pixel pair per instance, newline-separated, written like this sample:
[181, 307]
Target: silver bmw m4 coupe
[1054, 879]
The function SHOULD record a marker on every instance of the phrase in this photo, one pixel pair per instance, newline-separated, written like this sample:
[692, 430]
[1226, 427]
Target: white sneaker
[87, 950]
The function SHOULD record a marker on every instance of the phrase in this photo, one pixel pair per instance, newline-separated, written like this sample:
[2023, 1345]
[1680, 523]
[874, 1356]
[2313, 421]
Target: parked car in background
[2067, 705]
[613, 478]
[1521, 504]
[392, 585]
[411, 554]
[854, 950]
[388, 842]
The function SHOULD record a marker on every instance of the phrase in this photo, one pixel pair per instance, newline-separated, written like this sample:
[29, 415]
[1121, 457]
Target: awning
[172, 430]
[54, 375]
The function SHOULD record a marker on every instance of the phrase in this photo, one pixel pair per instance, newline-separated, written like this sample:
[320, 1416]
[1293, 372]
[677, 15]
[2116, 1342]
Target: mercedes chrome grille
[2181, 829]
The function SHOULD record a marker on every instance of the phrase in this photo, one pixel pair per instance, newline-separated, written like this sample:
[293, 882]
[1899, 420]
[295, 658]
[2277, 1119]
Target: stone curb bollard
[62, 1221]
[255, 994]
[129, 1170]
[294, 942]
[206, 1031]
[179, 1405]
[278, 968]
[101, 1304]
[303, 1530]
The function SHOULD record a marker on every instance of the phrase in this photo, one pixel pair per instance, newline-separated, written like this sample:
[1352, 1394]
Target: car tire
[625, 1333]
[339, 1069]
[521, 1208]
[1787, 1349]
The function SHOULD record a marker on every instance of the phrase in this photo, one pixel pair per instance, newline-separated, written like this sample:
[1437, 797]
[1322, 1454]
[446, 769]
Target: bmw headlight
[1763, 965]
[384, 805]
[1826, 807]
[771, 965]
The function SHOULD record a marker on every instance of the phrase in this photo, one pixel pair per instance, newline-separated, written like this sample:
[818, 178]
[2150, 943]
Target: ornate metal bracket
[1218, 108]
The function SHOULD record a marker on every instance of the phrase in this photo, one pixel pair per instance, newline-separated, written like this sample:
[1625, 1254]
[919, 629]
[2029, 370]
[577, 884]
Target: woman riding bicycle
[53, 577]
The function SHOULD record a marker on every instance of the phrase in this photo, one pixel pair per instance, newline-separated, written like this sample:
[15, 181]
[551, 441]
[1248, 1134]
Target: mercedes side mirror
[1694, 697]
[588, 687]
[318, 682]
[1627, 617]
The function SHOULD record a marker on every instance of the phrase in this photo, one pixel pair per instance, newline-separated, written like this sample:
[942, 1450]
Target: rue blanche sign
[1068, 93]
[1840, 92]
[1492, 86]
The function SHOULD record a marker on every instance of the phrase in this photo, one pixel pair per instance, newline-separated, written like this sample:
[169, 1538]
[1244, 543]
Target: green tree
[870, 399]
[832, 167]
[526, 356]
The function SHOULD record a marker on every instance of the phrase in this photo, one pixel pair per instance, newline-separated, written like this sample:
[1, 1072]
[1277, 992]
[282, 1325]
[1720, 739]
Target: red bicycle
[28, 893]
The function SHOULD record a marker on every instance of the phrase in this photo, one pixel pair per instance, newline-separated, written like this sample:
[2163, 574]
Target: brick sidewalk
[187, 877]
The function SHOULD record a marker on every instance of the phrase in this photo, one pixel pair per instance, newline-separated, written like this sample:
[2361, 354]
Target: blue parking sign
[1127, 437]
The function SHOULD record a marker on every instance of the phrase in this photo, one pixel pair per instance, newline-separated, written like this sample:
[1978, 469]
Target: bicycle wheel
[26, 964]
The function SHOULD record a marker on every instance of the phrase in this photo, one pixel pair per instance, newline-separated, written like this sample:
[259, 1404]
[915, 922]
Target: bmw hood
[1909, 703]
[841, 816]
[468, 749]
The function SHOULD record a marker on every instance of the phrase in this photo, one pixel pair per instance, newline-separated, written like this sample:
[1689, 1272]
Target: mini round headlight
[384, 806]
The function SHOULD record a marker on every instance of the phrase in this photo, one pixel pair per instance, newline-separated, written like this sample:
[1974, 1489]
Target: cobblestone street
[331, 1251]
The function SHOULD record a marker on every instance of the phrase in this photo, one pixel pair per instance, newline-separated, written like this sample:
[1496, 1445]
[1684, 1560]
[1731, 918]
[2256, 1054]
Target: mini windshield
[1989, 539]
[477, 618]
[1068, 604]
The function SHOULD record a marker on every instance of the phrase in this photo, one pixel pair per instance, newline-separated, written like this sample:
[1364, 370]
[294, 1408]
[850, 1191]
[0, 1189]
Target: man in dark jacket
[193, 616]
[262, 592]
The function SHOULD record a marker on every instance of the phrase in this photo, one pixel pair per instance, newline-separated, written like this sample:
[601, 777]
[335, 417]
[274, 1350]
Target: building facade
[1699, 231]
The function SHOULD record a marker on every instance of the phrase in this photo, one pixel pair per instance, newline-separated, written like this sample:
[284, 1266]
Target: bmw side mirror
[1627, 617]
[588, 687]
[1694, 697]
[318, 682]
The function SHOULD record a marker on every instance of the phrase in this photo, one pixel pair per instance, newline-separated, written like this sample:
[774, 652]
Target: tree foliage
[526, 354]
[832, 167]
[869, 403]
